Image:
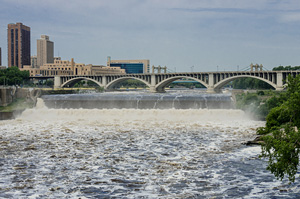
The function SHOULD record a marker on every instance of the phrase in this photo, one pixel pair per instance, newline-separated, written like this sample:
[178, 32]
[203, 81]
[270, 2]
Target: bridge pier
[210, 90]
[211, 87]
[279, 85]
[160, 90]
[152, 89]
[279, 88]
[213, 90]
[104, 81]
[156, 90]
[57, 82]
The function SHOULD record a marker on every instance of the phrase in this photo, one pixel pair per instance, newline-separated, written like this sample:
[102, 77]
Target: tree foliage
[258, 105]
[250, 83]
[131, 83]
[186, 85]
[281, 133]
[286, 68]
[13, 76]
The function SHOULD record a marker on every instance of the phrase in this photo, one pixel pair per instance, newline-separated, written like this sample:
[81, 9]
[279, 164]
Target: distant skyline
[198, 35]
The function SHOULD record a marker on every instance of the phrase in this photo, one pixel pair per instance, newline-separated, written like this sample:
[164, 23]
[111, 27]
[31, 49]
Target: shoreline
[9, 115]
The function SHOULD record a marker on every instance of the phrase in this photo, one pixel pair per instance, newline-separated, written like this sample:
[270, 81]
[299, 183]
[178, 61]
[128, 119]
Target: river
[134, 153]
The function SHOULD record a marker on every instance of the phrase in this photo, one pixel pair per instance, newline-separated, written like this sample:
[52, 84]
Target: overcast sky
[204, 34]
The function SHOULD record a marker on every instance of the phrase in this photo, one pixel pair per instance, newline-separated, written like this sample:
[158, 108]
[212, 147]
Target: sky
[184, 35]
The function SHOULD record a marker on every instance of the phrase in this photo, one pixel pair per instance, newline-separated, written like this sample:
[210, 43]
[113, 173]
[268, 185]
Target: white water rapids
[132, 153]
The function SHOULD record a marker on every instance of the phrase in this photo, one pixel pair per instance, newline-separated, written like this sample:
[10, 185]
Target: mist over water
[134, 153]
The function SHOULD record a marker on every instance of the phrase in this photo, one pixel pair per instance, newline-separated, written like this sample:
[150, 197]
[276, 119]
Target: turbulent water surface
[134, 153]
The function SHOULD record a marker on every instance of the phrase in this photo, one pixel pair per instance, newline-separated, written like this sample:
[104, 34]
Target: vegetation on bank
[13, 76]
[18, 104]
[258, 104]
[281, 134]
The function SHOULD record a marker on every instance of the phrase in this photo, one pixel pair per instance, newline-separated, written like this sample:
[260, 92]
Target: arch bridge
[213, 81]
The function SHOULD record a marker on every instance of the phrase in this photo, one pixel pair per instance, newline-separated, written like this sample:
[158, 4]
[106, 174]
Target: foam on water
[59, 153]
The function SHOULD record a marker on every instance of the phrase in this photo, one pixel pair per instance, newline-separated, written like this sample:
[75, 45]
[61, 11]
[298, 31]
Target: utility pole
[192, 68]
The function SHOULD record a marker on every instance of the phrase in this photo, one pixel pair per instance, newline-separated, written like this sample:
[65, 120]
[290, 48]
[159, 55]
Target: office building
[130, 66]
[18, 45]
[65, 67]
[45, 51]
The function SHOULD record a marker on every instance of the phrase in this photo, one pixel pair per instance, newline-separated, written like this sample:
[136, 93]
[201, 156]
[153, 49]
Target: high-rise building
[18, 45]
[45, 51]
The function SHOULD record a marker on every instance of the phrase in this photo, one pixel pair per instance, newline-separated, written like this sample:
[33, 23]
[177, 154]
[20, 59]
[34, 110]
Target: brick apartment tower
[45, 51]
[18, 45]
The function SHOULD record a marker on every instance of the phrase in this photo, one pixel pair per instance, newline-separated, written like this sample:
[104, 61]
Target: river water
[134, 153]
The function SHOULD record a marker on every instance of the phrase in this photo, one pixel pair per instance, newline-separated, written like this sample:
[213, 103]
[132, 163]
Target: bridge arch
[111, 84]
[222, 83]
[77, 79]
[160, 87]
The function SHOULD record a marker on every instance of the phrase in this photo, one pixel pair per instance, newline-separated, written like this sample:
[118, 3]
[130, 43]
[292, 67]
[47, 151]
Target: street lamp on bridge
[192, 68]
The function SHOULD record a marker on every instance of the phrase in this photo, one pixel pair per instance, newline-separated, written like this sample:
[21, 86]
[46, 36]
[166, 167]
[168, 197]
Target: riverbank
[15, 108]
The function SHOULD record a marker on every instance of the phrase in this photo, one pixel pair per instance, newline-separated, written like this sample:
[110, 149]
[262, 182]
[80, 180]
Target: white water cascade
[132, 153]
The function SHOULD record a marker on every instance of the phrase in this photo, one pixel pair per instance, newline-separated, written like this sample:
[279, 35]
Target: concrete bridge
[213, 81]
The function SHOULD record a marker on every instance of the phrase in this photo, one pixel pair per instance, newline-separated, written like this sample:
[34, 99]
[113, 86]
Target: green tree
[131, 83]
[281, 133]
[13, 76]
[250, 83]
[49, 82]
[278, 68]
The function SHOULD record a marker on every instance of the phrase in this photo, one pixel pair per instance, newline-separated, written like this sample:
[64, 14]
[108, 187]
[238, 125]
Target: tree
[13, 76]
[250, 83]
[281, 134]
[278, 68]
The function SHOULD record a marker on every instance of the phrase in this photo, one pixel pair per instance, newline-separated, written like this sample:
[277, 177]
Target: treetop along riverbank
[281, 136]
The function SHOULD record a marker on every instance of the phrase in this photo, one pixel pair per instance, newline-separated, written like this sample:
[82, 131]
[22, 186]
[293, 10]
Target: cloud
[290, 17]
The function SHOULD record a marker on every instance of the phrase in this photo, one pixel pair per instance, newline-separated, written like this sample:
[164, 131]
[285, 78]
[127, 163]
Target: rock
[256, 141]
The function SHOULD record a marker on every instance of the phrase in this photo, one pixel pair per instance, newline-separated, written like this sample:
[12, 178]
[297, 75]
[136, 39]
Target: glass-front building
[130, 67]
